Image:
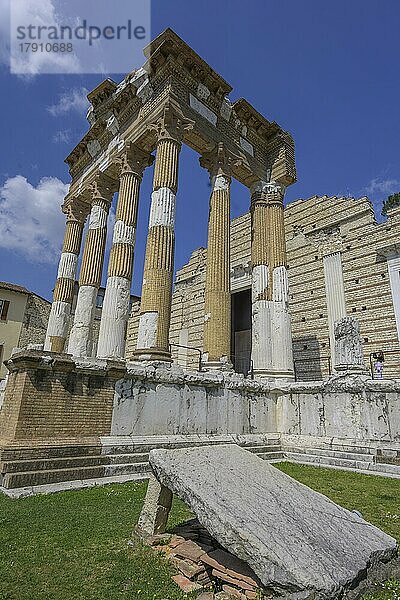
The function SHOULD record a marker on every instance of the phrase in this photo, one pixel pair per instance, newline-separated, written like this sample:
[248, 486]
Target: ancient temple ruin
[175, 98]
[71, 416]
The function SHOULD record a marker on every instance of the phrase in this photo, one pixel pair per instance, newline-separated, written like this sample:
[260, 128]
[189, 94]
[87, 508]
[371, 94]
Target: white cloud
[62, 137]
[73, 100]
[36, 13]
[4, 32]
[382, 187]
[31, 222]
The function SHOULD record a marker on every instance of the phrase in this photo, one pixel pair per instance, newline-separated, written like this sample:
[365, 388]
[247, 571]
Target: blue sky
[328, 71]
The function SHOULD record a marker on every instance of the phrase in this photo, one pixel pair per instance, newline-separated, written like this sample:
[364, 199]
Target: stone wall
[50, 396]
[346, 407]
[35, 321]
[312, 226]
[151, 401]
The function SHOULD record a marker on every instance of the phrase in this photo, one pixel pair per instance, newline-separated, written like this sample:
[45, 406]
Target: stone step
[331, 453]
[126, 469]
[33, 478]
[314, 459]
[141, 445]
[380, 469]
[258, 449]
[44, 452]
[46, 464]
[275, 456]
[121, 459]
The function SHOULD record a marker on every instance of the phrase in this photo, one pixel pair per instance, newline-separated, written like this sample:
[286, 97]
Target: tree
[391, 202]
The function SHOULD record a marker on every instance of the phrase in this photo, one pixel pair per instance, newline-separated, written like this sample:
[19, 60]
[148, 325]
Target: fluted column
[155, 308]
[80, 340]
[272, 353]
[115, 311]
[217, 299]
[58, 325]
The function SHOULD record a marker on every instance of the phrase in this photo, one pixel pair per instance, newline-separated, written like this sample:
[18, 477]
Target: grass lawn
[74, 545]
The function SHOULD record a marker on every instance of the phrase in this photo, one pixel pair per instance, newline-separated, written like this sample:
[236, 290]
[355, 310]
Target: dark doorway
[241, 331]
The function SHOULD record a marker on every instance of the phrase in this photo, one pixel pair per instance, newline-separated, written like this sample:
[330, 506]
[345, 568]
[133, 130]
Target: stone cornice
[174, 74]
[169, 46]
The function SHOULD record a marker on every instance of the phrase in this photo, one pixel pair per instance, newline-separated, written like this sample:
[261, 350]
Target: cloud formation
[35, 13]
[31, 222]
[382, 187]
[70, 101]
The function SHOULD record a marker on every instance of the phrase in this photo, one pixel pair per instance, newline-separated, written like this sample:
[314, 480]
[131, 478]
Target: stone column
[334, 290]
[80, 340]
[217, 300]
[272, 352]
[155, 307]
[58, 325]
[115, 311]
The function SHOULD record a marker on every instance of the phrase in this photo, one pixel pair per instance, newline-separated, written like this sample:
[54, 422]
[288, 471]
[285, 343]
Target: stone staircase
[120, 459]
[127, 456]
[362, 459]
[113, 459]
[42, 465]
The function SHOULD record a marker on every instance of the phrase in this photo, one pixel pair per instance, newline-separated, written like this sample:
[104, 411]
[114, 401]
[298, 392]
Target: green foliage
[391, 202]
[78, 545]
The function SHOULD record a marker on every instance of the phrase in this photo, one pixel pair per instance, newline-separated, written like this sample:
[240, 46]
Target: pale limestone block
[98, 217]
[203, 110]
[162, 211]
[260, 276]
[123, 234]
[220, 182]
[147, 330]
[114, 316]
[157, 505]
[58, 321]
[80, 341]
[298, 542]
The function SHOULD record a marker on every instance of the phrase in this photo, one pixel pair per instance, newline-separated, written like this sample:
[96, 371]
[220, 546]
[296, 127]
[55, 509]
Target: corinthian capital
[220, 161]
[134, 160]
[267, 191]
[171, 125]
[102, 188]
[76, 209]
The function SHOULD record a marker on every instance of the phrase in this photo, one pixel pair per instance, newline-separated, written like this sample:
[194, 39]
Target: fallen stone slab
[298, 542]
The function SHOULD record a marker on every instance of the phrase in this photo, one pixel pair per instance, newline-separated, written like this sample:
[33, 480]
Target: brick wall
[48, 397]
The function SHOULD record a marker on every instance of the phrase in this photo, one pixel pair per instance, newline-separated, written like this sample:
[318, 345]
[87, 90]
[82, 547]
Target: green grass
[74, 545]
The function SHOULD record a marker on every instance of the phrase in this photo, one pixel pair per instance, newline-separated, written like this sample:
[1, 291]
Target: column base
[273, 375]
[152, 354]
[217, 365]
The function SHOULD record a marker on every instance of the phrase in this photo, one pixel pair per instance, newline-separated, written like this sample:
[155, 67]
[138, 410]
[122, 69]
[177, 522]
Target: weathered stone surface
[348, 346]
[297, 541]
[156, 507]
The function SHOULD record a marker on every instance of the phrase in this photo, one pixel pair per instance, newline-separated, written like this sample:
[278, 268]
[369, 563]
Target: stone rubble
[204, 566]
